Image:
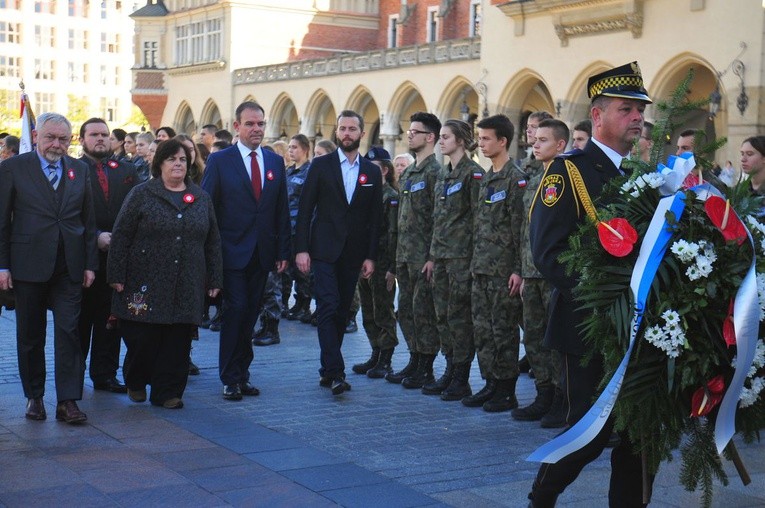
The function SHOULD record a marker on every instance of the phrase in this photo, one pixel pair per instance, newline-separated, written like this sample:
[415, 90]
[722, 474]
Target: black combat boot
[460, 385]
[504, 397]
[294, 309]
[259, 332]
[440, 384]
[556, 416]
[271, 335]
[216, 320]
[423, 375]
[484, 394]
[383, 367]
[537, 409]
[304, 313]
[397, 377]
[362, 368]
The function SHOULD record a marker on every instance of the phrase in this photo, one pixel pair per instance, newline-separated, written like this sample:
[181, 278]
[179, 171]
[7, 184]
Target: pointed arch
[211, 114]
[284, 120]
[458, 94]
[525, 93]
[184, 119]
[577, 103]
[362, 102]
[320, 116]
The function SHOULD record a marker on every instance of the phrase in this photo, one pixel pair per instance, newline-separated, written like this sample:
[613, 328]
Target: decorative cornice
[433, 53]
[197, 68]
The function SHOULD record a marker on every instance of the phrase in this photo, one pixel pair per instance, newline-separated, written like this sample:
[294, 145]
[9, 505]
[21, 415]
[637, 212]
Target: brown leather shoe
[36, 409]
[68, 412]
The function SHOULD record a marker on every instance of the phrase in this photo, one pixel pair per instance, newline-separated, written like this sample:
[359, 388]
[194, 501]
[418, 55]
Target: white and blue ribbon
[652, 251]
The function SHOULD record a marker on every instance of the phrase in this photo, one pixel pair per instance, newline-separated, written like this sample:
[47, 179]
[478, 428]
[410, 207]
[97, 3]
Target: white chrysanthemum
[628, 186]
[635, 193]
[761, 294]
[655, 335]
[750, 395]
[654, 180]
[704, 266]
[693, 272]
[685, 251]
[671, 317]
[759, 355]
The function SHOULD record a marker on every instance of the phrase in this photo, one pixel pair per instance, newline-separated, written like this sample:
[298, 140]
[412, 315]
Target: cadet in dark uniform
[376, 293]
[617, 111]
[111, 181]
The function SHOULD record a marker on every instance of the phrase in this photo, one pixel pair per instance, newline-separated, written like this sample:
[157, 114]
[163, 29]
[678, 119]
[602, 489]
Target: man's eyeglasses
[414, 132]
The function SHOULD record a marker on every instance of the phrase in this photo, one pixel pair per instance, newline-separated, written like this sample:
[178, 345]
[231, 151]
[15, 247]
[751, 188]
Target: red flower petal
[707, 397]
[734, 229]
[614, 245]
[729, 331]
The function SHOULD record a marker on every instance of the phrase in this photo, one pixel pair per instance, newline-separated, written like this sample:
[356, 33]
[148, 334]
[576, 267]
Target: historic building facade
[306, 60]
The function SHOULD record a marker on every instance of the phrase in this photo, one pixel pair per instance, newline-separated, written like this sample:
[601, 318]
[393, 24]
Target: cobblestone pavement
[294, 445]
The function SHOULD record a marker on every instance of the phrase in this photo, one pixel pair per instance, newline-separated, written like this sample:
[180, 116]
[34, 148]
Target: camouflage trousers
[544, 362]
[451, 300]
[272, 297]
[355, 304]
[496, 320]
[302, 283]
[416, 315]
[377, 314]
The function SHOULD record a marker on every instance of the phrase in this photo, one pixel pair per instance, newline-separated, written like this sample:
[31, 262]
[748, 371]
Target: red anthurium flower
[729, 331]
[617, 236]
[722, 215]
[707, 397]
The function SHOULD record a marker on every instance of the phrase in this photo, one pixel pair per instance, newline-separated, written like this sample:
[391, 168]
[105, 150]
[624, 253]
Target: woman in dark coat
[164, 255]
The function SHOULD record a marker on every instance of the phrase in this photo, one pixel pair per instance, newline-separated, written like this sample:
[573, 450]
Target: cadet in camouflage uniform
[456, 194]
[415, 231]
[551, 138]
[376, 293]
[496, 272]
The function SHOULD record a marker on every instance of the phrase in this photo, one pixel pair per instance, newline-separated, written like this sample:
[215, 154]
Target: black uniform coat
[165, 255]
[554, 218]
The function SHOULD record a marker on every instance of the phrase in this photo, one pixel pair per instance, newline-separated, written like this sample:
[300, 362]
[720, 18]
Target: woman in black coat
[164, 255]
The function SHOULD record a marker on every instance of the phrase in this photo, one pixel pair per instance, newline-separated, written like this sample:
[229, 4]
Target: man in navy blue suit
[248, 188]
[337, 234]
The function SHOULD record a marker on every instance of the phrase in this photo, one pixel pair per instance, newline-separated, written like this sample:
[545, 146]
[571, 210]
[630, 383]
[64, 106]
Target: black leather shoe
[193, 369]
[325, 382]
[339, 386]
[351, 327]
[67, 411]
[232, 392]
[36, 409]
[110, 385]
[248, 389]
[268, 340]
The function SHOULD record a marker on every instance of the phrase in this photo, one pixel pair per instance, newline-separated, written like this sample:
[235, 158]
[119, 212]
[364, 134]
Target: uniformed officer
[111, 181]
[551, 138]
[415, 231]
[376, 293]
[617, 111]
[456, 194]
[496, 272]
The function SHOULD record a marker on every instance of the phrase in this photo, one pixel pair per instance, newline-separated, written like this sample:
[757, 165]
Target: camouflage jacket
[454, 210]
[386, 254]
[530, 178]
[494, 252]
[415, 211]
[295, 180]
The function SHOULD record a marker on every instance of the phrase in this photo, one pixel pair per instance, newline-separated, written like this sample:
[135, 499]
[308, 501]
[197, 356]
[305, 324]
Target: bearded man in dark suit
[337, 234]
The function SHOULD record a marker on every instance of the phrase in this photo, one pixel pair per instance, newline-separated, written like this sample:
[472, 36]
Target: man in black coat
[47, 254]
[337, 233]
[617, 110]
[110, 181]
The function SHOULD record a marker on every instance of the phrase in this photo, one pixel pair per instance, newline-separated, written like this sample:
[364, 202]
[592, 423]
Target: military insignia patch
[552, 189]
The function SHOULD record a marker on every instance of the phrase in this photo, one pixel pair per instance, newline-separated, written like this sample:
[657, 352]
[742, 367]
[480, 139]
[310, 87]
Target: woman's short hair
[165, 150]
[757, 142]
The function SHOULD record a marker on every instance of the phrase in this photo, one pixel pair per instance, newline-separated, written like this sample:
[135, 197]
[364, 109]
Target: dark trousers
[32, 302]
[105, 344]
[334, 286]
[157, 355]
[626, 488]
[241, 308]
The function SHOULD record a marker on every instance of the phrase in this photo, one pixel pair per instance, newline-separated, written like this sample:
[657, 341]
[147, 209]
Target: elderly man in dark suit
[47, 254]
[337, 233]
[249, 191]
[110, 181]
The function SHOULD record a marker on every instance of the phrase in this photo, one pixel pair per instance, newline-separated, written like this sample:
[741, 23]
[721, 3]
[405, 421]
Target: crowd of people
[138, 239]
